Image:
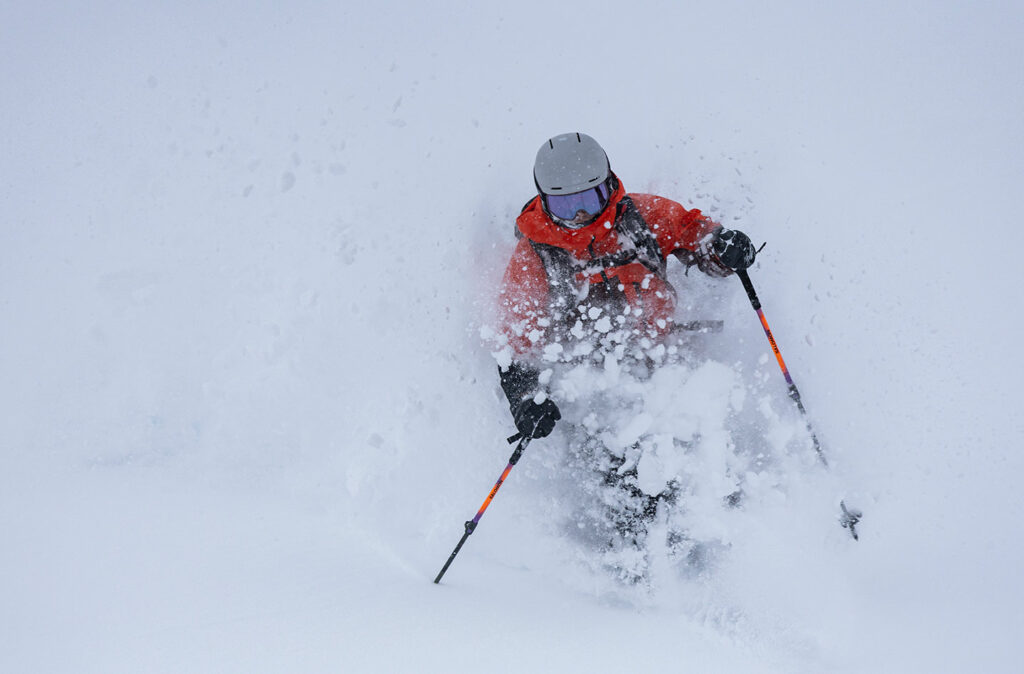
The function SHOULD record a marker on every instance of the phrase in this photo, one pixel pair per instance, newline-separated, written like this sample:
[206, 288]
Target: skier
[592, 258]
[587, 285]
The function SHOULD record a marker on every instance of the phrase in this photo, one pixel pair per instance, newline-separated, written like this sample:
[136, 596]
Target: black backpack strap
[635, 229]
[560, 267]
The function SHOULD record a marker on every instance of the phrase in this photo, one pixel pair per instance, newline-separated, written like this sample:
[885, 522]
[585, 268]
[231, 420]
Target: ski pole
[849, 518]
[471, 524]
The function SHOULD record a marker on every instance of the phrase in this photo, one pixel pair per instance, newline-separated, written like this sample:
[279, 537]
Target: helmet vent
[564, 167]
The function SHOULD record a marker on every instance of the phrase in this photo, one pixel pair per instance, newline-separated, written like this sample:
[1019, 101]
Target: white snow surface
[249, 251]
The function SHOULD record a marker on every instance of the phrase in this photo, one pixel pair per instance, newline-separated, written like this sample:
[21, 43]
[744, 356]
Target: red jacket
[618, 261]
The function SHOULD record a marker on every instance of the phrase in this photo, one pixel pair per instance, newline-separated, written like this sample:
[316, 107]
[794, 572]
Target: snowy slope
[247, 253]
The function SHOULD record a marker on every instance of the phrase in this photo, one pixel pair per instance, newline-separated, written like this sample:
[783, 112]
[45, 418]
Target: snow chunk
[657, 353]
[631, 432]
[583, 348]
[503, 357]
[552, 352]
[655, 469]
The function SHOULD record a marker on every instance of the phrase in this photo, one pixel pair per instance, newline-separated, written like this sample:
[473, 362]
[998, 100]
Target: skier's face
[583, 217]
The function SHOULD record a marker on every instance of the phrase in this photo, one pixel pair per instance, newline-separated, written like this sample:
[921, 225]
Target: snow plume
[663, 457]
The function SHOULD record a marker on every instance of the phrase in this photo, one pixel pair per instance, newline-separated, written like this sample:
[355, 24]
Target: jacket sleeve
[519, 381]
[685, 233]
[523, 302]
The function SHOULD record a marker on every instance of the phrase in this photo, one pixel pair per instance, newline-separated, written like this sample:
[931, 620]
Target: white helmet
[571, 162]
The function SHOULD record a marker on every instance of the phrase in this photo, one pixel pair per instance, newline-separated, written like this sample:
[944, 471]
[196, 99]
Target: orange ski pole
[471, 524]
[849, 518]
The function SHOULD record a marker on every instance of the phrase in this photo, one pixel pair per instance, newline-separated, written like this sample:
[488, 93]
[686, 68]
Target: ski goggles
[566, 206]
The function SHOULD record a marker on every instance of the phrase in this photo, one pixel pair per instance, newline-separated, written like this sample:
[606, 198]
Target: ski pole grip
[514, 459]
[513, 439]
[749, 287]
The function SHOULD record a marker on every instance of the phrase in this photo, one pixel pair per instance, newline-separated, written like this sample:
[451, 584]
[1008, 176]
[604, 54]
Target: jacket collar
[537, 226]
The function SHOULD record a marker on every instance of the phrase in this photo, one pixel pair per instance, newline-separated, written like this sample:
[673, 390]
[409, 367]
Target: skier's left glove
[733, 249]
[536, 420]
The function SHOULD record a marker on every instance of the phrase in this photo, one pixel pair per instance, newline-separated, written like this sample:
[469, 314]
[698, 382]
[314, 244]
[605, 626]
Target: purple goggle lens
[566, 206]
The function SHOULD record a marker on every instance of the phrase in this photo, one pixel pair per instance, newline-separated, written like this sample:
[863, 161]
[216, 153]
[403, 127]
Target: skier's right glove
[536, 420]
[733, 248]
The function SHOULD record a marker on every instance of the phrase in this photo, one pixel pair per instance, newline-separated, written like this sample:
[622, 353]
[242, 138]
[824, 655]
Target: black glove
[733, 249]
[535, 420]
